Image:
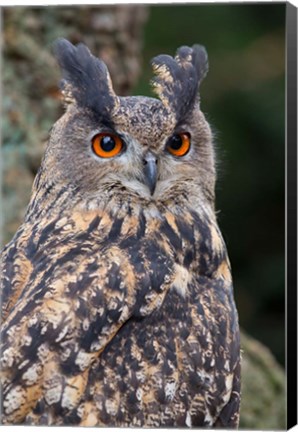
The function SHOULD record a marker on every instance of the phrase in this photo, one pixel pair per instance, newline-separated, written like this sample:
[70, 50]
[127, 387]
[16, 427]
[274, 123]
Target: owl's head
[137, 148]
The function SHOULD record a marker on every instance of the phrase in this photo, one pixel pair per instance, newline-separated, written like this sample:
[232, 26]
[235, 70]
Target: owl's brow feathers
[177, 80]
[86, 78]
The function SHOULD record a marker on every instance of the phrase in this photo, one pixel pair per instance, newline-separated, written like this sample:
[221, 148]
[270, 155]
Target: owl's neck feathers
[54, 199]
[55, 207]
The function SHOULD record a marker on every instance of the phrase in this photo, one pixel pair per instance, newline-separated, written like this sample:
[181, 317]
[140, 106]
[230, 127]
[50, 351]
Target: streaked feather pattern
[117, 304]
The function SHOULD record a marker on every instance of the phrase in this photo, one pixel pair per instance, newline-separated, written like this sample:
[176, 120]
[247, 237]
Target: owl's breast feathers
[123, 319]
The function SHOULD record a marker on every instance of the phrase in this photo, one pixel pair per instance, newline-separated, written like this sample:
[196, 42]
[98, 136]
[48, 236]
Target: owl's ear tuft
[177, 80]
[85, 79]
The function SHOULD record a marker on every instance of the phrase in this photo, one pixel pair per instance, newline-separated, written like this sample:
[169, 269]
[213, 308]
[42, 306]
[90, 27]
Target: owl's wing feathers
[86, 280]
[229, 415]
[14, 269]
[86, 79]
[177, 79]
[81, 289]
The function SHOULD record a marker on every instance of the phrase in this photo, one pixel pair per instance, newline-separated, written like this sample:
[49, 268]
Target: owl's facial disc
[150, 171]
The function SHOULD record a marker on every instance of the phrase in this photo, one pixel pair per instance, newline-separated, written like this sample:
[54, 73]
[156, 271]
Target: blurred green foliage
[243, 98]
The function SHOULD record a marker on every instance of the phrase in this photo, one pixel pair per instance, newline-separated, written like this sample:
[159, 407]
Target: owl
[117, 297]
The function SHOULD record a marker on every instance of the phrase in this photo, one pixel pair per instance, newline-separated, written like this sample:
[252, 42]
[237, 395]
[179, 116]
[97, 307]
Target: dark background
[243, 97]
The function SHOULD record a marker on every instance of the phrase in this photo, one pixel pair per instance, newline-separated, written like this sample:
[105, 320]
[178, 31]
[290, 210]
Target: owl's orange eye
[179, 144]
[107, 145]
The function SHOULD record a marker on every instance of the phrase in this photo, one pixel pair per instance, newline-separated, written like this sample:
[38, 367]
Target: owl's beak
[150, 171]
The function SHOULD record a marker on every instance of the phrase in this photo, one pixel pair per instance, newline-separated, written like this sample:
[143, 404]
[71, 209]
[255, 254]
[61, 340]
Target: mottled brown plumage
[117, 298]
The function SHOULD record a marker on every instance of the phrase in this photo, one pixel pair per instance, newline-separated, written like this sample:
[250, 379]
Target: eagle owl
[117, 298]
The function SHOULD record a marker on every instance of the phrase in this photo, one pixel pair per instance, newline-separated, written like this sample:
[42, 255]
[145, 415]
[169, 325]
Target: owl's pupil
[107, 143]
[176, 142]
